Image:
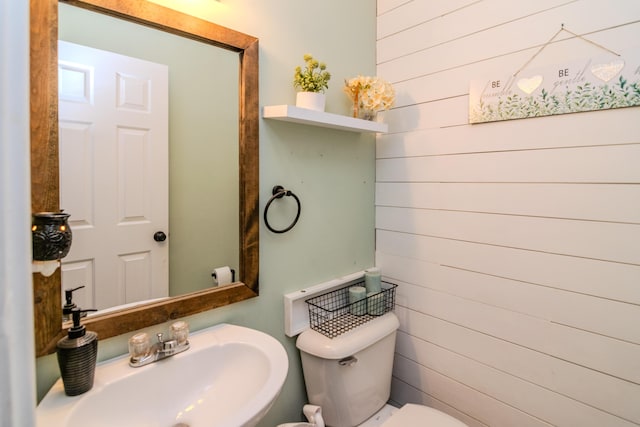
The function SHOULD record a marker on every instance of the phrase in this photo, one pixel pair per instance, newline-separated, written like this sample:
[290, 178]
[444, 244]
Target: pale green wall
[331, 171]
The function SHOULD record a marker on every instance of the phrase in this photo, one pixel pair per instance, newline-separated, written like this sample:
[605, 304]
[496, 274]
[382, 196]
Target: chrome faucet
[142, 353]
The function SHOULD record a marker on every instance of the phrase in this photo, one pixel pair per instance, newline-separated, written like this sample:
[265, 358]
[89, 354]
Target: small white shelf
[296, 311]
[290, 113]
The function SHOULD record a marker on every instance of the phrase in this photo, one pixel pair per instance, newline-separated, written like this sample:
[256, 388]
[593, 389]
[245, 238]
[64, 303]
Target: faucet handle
[139, 345]
[180, 332]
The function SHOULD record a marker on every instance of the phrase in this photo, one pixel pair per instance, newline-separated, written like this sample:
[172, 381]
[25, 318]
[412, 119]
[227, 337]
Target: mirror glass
[47, 156]
[202, 164]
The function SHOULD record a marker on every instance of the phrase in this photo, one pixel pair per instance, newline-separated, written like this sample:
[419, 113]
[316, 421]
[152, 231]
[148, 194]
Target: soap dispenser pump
[77, 354]
[69, 305]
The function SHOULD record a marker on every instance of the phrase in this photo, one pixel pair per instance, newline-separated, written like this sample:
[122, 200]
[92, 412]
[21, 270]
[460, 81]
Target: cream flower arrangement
[369, 95]
[314, 77]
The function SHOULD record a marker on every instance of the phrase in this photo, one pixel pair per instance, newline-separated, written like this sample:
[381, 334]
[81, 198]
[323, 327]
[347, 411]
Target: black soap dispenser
[77, 355]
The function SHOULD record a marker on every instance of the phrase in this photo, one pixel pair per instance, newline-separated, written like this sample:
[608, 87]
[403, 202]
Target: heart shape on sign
[606, 72]
[528, 85]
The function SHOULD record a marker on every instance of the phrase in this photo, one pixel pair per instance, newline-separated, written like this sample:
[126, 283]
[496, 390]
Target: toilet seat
[411, 415]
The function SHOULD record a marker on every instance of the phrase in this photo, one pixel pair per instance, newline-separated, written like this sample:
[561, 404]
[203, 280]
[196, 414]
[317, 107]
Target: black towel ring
[279, 192]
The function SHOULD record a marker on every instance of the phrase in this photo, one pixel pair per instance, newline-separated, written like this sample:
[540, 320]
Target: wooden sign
[599, 83]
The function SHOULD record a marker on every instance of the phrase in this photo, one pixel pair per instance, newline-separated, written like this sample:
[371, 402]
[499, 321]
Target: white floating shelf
[290, 113]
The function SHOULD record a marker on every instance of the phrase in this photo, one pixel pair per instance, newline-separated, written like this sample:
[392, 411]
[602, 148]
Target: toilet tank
[349, 376]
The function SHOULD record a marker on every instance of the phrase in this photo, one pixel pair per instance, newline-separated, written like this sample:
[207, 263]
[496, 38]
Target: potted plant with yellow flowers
[312, 82]
[369, 95]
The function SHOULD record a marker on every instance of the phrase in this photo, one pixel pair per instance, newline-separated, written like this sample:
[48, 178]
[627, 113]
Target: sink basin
[230, 376]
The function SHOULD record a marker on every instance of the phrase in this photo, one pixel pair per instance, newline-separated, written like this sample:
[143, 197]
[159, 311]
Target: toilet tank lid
[419, 415]
[349, 343]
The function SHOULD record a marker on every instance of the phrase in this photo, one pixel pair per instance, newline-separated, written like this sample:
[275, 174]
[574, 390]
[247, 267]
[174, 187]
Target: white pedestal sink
[229, 377]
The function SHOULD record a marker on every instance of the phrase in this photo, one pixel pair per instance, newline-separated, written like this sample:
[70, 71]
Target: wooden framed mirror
[45, 169]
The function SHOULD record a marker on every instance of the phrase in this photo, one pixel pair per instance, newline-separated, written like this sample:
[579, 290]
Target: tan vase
[362, 113]
[311, 100]
[368, 114]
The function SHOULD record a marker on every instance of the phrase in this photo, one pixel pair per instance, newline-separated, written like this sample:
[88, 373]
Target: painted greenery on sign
[587, 97]
[584, 86]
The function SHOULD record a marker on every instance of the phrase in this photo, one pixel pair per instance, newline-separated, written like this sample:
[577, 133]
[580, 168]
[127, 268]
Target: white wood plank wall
[516, 245]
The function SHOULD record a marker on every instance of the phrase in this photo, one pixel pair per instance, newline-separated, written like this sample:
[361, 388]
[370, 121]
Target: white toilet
[348, 380]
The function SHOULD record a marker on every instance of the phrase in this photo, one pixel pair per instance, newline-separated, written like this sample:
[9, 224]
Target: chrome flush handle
[348, 361]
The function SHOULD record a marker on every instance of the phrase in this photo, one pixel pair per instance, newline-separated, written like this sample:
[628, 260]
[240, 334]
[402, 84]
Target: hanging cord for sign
[562, 28]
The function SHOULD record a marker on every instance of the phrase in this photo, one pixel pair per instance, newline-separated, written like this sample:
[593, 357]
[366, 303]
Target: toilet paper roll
[357, 300]
[373, 280]
[222, 276]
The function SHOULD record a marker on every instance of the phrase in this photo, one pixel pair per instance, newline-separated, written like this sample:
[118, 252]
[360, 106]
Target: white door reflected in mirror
[114, 175]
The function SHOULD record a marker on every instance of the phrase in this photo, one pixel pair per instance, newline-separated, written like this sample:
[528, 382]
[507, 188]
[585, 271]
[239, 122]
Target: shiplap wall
[516, 245]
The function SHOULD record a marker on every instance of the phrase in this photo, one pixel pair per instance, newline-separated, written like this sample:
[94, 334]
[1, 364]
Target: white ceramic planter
[311, 100]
